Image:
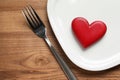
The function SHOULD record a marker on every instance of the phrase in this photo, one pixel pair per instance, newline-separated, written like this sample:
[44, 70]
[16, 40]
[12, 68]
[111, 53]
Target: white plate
[105, 53]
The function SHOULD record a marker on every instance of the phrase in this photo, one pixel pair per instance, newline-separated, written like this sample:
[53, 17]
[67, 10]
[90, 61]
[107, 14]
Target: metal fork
[39, 29]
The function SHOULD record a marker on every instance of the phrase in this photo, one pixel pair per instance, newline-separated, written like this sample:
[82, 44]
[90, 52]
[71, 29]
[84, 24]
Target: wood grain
[24, 56]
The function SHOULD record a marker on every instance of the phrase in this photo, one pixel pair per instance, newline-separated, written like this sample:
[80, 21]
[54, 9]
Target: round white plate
[100, 56]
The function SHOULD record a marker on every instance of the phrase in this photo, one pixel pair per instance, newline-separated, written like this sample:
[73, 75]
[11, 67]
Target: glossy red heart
[86, 33]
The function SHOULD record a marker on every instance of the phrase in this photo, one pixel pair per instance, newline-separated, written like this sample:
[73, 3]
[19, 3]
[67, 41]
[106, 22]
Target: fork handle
[61, 62]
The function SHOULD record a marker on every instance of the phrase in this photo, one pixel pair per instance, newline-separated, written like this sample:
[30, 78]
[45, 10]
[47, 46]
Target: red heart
[88, 34]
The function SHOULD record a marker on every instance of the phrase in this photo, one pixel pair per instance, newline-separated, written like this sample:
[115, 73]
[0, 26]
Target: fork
[39, 29]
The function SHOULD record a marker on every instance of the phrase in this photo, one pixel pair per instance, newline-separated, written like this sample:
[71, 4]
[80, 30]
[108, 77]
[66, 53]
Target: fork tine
[31, 17]
[36, 16]
[27, 18]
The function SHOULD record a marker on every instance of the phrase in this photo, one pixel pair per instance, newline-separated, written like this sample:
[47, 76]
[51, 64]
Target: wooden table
[24, 56]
